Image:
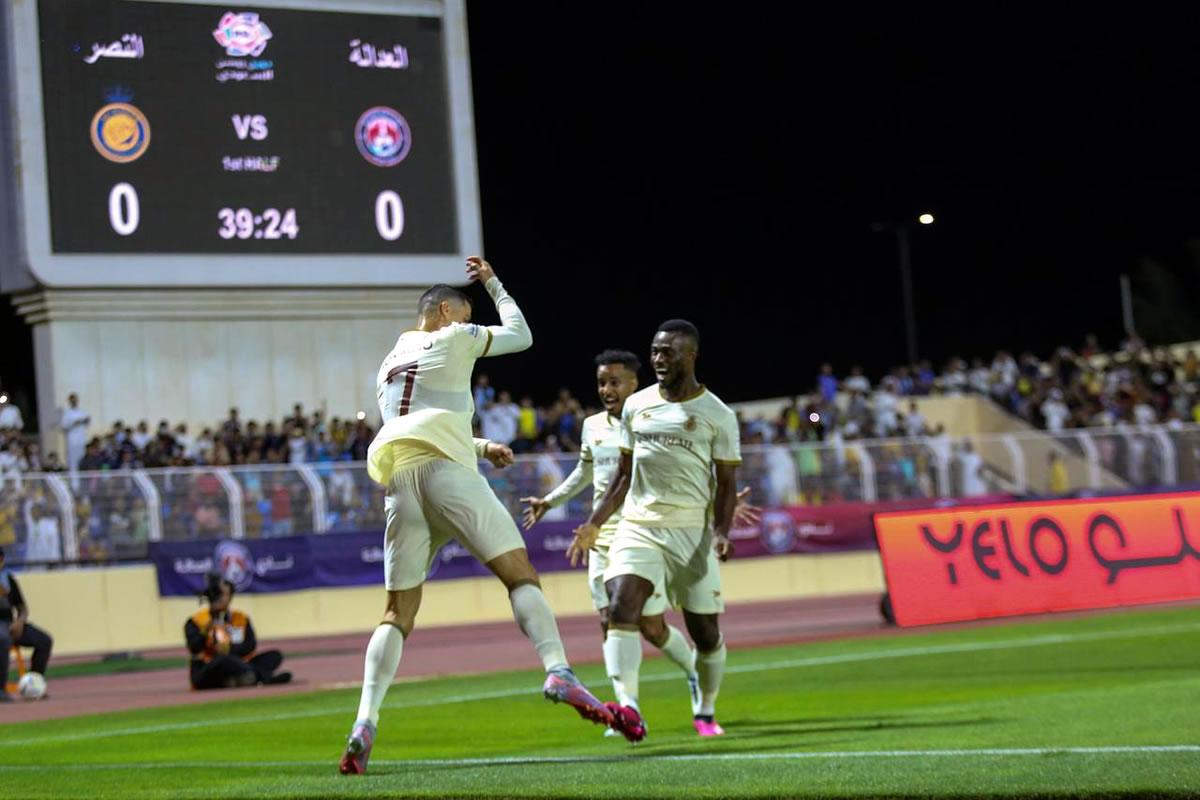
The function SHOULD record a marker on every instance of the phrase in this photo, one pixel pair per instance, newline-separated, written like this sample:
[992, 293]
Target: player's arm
[512, 335]
[587, 533]
[579, 479]
[724, 505]
[727, 456]
[746, 513]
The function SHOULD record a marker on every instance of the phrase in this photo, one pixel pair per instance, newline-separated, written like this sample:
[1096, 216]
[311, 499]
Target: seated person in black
[15, 628]
[222, 643]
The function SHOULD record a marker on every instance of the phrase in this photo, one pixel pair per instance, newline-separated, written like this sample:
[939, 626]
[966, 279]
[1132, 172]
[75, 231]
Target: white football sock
[710, 667]
[536, 620]
[677, 649]
[383, 658]
[622, 660]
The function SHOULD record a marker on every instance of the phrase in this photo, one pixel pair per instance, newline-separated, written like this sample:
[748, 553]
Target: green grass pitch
[1098, 706]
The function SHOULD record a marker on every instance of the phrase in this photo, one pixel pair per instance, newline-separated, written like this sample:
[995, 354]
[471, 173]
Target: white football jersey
[675, 447]
[424, 387]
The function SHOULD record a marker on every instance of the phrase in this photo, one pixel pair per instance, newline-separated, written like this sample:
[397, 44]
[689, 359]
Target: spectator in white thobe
[74, 423]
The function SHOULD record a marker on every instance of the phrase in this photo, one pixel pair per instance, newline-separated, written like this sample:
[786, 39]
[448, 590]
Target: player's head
[442, 305]
[673, 351]
[616, 378]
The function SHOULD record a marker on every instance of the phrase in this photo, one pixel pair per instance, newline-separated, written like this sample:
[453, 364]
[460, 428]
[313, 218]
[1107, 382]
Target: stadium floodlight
[902, 230]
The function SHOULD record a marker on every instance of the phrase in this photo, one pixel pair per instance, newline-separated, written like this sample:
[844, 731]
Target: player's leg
[408, 547]
[702, 607]
[530, 609]
[673, 644]
[385, 648]
[623, 644]
[597, 563]
[461, 500]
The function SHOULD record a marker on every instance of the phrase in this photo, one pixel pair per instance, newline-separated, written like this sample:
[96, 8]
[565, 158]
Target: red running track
[458, 649]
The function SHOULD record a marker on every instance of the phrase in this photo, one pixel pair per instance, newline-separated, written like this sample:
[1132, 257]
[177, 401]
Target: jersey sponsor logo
[120, 132]
[665, 439]
[383, 136]
[242, 34]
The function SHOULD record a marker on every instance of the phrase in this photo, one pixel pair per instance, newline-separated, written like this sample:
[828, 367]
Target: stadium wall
[191, 355]
[118, 609]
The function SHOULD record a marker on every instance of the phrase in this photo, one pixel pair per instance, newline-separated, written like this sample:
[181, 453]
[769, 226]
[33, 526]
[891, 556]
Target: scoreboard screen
[292, 142]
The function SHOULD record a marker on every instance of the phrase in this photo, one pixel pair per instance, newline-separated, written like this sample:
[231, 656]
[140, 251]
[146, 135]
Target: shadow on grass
[755, 729]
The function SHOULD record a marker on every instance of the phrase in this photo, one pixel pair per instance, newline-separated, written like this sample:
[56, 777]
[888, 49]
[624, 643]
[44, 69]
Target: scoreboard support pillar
[191, 355]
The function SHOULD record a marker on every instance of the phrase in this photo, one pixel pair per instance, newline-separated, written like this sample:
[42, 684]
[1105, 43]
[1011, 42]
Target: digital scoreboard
[288, 143]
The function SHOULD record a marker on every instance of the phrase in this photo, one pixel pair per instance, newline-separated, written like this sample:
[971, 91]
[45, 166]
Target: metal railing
[113, 515]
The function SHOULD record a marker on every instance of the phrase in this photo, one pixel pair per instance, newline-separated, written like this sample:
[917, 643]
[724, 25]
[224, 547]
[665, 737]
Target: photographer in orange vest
[222, 643]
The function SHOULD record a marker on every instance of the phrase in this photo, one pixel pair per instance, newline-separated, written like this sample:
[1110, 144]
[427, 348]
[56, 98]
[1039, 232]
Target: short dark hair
[437, 294]
[214, 582]
[683, 327]
[622, 357]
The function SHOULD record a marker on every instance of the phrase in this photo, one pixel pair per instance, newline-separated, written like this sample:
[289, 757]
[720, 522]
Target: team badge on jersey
[120, 132]
[690, 425]
[383, 136]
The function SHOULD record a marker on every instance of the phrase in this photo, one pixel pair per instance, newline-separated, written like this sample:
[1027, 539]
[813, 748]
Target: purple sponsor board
[356, 559]
[290, 563]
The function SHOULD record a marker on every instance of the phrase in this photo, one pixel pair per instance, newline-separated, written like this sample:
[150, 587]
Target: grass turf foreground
[1102, 706]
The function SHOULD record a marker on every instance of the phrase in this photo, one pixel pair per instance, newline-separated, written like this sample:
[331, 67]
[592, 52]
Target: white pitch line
[815, 661]
[500, 761]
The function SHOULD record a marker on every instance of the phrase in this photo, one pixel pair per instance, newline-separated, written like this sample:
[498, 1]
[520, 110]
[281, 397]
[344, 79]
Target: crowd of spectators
[109, 506]
[1135, 385]
[1071, 388]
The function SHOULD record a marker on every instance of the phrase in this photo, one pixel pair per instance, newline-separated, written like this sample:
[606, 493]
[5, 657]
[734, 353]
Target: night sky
[646, 163]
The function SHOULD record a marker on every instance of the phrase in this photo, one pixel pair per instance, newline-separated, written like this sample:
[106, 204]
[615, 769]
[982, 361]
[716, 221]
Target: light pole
[910, 314]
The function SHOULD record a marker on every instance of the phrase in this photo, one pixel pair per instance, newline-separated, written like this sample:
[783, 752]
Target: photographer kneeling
[221, 641]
